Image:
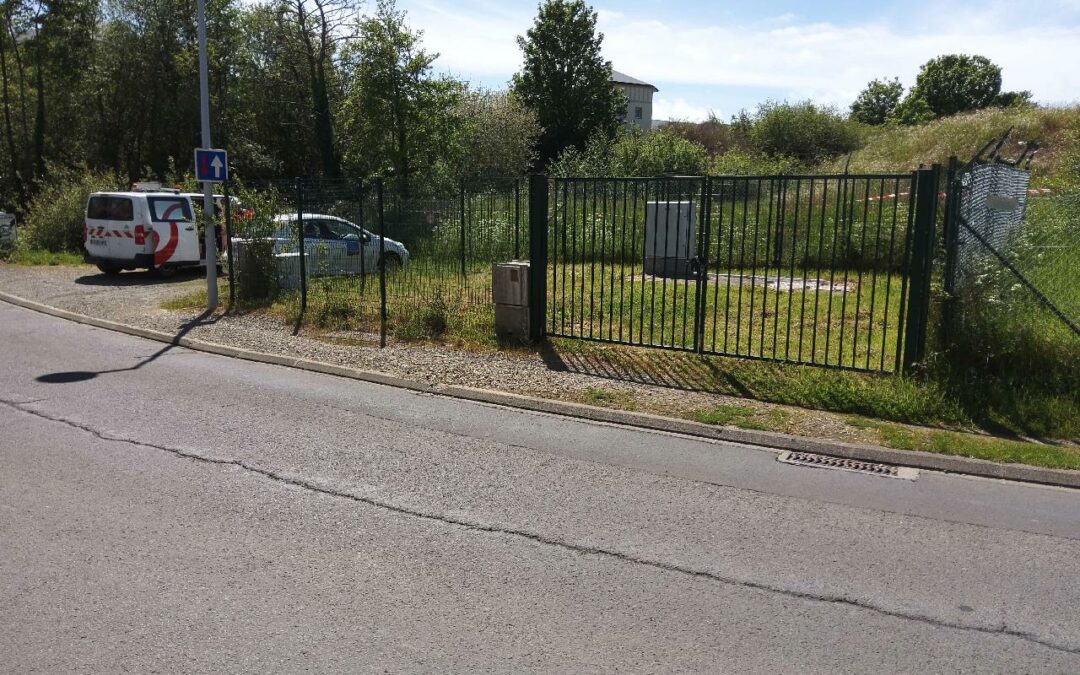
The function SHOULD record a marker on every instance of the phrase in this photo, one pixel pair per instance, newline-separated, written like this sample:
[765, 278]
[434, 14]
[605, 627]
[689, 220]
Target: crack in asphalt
[1002, 630]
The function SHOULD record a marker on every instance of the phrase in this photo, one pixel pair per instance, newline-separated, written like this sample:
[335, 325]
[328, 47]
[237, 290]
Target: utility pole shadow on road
[68, 377]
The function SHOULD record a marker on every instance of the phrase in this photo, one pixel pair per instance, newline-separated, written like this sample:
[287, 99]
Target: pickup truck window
[110, 208]
[169, 209]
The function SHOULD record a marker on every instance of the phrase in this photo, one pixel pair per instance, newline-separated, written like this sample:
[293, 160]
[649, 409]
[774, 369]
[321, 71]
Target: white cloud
[826, 61]
[678, 109]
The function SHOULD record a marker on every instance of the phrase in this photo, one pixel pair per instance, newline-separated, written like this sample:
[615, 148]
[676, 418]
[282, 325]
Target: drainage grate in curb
[844, 464]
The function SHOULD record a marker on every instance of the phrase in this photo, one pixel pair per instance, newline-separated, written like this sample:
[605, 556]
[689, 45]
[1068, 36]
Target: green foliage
[565, 80]
[256, 270]
[430, 323]
[804, 131]
[876, 103]
[900, 148]
[957, 83]
[969, 445]
[749, 163]
[57, 213]
[399, 118]
[912, 110]
[35, 257]
[1010, 99]
[716, 137]
[500, 135]
[634, 153]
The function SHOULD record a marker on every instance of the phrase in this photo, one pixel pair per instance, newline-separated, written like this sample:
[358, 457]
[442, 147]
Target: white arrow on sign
[216, 163]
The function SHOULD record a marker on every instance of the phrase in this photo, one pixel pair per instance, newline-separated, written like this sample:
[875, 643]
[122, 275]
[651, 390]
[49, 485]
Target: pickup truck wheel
[109, 269]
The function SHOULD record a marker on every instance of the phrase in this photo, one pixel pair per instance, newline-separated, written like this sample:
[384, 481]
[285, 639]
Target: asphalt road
[166, 510]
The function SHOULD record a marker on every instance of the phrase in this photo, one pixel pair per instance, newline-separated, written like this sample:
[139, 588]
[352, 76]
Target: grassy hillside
[904, 148]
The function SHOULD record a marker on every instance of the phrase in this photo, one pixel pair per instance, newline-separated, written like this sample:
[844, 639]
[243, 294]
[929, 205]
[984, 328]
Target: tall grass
[902, 148]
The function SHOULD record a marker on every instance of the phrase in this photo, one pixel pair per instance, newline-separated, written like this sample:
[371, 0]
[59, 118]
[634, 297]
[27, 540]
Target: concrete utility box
[670, 238]
[510, 293]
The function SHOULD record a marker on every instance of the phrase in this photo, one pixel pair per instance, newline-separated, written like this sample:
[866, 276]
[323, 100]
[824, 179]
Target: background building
[639, 99]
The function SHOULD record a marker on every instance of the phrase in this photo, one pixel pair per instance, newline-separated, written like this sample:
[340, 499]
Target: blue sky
[724, 56]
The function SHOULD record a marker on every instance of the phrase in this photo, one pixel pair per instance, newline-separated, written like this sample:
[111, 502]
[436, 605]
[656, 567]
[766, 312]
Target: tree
[321, 26]
[399, 117]
[912, 110]
[500, 135]
[957, 83]
[565, 80]
[876, 103]
[271, 123]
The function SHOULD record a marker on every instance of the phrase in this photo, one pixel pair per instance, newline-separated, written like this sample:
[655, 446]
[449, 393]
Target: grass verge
[971, 445]
[34, 257]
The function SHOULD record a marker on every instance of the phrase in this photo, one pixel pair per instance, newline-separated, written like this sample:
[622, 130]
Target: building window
[637, 113]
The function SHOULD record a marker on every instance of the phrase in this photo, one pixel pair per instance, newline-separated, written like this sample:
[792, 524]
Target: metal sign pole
[209, 240]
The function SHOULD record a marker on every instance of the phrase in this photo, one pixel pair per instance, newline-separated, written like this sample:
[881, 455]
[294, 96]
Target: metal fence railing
[829, 270]
[808, 269]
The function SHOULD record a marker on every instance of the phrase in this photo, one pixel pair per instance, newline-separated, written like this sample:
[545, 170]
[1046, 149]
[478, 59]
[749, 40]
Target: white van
[140, 230]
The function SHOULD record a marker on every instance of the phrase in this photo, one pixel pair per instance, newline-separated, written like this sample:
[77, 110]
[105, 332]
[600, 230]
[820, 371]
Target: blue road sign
[211, 166]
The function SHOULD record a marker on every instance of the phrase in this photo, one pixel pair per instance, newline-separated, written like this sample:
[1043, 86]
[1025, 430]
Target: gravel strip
[135, 299]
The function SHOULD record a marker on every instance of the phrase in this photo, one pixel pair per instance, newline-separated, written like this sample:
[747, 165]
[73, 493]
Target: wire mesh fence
[1007, 250]
[373, 259]
[1012, 278]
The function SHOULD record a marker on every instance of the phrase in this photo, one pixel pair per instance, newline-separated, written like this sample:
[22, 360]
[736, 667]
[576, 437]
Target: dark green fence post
[538, 255]
[231, 257]
[920, 265]
[361, 221]
[951, 242]
[300, 233]
[382, 263]
[461, 200]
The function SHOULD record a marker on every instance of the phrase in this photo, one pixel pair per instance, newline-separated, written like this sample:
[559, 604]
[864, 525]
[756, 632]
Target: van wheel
[109, 269]
[164, 272]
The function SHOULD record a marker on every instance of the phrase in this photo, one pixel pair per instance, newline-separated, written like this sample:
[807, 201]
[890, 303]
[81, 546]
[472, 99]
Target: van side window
[110, 208]
[168, 209]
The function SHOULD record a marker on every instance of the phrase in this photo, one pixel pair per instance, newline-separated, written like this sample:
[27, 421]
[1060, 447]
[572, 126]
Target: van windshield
[110, 208]
[168, 209]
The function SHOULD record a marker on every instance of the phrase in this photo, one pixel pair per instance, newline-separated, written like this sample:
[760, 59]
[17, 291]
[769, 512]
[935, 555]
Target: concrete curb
[765, 439]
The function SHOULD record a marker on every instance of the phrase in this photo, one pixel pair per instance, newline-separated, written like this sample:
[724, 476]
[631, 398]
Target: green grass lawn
[847, 318]
[40, 257]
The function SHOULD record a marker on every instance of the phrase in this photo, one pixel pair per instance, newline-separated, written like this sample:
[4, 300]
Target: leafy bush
[744, 163]
[256, 270]
[712, 134]
[634, 153]
[56, 214]
[804, 131]
[430, 323]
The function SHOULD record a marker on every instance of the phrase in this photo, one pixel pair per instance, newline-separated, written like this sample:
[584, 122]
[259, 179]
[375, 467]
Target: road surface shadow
[70, 376]
[144, 278]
